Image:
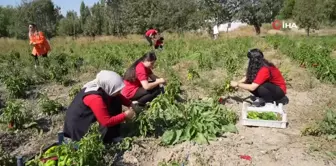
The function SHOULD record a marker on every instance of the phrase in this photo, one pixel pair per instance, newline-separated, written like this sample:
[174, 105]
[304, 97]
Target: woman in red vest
[263, 80]
[151, 35]
[140, 82]
[39, 42]
[99, 100]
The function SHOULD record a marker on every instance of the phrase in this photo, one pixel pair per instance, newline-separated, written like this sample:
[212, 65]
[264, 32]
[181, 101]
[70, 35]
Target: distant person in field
[40, 44]
[159, 43]
[263, 80]
[99, 100]
[151, 35]
[140, 82]
[215, 32]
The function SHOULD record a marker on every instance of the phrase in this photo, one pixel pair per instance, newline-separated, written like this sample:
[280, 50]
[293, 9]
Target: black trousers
[157, 47]
[108, 133]
[36, 57]
[269, 92]
[149, 40]
[143, 96]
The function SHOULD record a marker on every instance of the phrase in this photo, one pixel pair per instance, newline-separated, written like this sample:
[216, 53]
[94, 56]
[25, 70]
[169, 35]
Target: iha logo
[278, 25]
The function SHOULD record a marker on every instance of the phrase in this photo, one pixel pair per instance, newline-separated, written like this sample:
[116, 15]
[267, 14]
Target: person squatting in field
[159, 43]
[263, 80]
[215, 32]
[140, 82]
[150, 35]
[40, 43]
[99, 100]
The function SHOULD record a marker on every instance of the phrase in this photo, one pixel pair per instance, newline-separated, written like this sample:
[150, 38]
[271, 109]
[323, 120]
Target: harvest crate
[264, 123]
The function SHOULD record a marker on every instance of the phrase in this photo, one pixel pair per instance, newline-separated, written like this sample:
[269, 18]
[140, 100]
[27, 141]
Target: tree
[44, 14]
[329, 9]
[84, 13]
[70, 25]
[287, 9]
[41, 12]
[97, 18]
[308, 14]
[221, 11]
[115, 21]
[180, 16]
[4, 22]
[140, 15]
[257, 12]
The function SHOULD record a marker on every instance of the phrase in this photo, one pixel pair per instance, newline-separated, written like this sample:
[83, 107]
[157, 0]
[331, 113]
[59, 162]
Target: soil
[333, 55]
[11, 141]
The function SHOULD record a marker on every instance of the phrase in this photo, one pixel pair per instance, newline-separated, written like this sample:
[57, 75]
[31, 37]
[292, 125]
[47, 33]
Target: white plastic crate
[264, 123]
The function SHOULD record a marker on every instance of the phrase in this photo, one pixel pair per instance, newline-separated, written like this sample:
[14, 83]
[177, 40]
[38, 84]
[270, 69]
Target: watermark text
[278, 25]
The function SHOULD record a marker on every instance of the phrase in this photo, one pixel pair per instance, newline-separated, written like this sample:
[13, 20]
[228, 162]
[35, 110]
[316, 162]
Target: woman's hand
[130, 114]
[161, 80]
[242, 80]
[234, 84]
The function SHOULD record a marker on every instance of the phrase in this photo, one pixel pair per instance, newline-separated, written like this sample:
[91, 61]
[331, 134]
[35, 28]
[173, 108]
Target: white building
[234, 25]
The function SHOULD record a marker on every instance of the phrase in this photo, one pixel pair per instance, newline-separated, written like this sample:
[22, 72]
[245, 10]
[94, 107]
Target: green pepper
[50, 163]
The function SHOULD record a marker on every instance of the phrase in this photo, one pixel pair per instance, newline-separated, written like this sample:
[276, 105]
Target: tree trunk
[257, 28]
[308, 30]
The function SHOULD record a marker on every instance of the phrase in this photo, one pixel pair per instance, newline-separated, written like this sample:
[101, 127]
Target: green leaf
[200, 139]
[230, 128]
[209, 113]
[185, 134]
[29, 125]
[178, 136]
[200, 127]
[331, 154]
[168, 137]
[331, 137]
[211, 129]
[211, 137]
[191, 133]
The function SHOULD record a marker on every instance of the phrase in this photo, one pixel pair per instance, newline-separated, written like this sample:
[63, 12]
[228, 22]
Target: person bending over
[140, 83]
[99, 100]
[150, 35]
[159, 43]
[262, 79]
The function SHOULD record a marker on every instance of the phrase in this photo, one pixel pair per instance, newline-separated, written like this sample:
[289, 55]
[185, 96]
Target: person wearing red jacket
[159, 43]
[150, 35]
[40, 44]
[141, 84]
[263, 79]
[99, 100]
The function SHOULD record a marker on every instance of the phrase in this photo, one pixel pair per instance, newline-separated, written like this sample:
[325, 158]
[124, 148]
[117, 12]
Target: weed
[50, 107]
[6, 159]
[325, 127]
[88, 151]
[200, 121]
[17, 86]
[74, 91]
[192, 74]
[13, 115]
[313, 53]
[171, 163]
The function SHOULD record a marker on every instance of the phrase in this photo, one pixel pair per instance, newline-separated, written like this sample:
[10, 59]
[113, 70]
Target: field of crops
[185, 125]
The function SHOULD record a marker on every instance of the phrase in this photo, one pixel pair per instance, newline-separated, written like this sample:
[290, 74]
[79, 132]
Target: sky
[64, 4]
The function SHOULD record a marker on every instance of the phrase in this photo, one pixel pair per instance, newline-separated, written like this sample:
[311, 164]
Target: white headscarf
[109, 81]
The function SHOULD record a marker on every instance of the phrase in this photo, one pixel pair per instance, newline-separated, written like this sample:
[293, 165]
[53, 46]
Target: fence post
[60, 137]
[19, 161]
